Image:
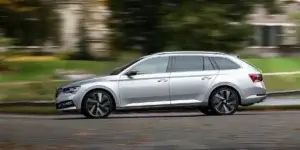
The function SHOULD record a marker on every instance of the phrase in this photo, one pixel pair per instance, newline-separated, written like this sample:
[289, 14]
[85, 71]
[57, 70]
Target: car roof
[189, 52]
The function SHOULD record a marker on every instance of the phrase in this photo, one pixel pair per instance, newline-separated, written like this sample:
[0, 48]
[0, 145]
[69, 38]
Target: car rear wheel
[97, 104]
[224, 101]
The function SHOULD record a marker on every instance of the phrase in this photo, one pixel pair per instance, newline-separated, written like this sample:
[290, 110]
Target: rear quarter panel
[238, 79]
[232, 78]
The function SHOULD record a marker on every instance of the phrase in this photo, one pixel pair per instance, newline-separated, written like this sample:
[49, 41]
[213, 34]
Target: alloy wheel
[98, 104]
[224, 101]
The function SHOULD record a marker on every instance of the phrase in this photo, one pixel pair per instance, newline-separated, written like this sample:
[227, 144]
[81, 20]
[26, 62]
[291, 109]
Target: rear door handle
[203, 78]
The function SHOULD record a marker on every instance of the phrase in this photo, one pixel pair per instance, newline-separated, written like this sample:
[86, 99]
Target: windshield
[118, 70]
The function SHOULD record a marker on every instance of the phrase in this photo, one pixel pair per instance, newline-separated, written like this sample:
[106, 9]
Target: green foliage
[152, 26]
[207, 26]
[31, 22]
[137, 25]
[273, 7]
[5, 41]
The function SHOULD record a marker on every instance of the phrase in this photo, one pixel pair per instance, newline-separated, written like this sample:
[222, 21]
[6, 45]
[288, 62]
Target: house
[71, 13]
[271, 31]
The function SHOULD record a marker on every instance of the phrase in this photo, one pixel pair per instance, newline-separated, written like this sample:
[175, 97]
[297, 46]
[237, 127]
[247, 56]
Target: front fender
[105, 86]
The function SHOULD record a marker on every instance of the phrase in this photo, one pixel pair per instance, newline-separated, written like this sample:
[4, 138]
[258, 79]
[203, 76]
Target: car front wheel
[97, 104]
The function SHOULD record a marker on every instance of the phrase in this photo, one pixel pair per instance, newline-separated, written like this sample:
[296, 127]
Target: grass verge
[268, 65]
[35, 91]
[21, 69]
[40, 110]
[282, 82]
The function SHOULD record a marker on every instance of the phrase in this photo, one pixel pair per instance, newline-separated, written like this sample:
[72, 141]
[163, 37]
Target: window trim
[143, 60]
[214, 63]
[173, 60]
[211, 62]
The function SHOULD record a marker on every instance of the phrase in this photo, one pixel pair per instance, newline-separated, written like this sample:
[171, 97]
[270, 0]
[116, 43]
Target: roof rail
[189, 52]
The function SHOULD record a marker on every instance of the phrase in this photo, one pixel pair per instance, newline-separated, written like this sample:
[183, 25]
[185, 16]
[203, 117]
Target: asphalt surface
[165, 131]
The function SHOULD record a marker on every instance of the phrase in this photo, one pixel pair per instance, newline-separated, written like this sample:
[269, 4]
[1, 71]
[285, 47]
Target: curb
[28, 103]
[52, 103]
[283, 93]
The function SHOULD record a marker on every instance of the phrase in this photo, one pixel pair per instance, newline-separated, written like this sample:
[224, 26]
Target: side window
[152, 65]
[225, 64]
[187, 63]
[207, 64]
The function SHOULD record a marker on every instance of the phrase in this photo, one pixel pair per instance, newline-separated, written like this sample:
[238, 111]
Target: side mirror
[132, 73]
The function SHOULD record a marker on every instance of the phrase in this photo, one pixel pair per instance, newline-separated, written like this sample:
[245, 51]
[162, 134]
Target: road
[165, 131]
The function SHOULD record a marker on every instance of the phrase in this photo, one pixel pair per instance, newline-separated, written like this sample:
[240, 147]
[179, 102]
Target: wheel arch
[228, 85]
[110, 92]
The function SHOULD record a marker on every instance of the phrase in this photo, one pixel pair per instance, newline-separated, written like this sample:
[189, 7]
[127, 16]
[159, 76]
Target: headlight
[72, 89]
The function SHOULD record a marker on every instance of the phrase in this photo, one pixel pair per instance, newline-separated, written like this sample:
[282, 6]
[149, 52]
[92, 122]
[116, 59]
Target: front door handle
[162, 80]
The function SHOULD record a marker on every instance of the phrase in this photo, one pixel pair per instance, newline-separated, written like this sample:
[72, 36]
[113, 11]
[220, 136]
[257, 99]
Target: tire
[207, 111]
[97, 104]
[224, 101]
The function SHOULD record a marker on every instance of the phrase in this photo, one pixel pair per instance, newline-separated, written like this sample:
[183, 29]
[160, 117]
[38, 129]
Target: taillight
[256, 77]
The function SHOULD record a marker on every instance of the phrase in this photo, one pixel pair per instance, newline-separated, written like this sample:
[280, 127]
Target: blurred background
[46, 43]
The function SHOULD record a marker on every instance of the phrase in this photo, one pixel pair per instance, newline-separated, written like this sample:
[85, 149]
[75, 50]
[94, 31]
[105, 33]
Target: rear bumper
[253, 99]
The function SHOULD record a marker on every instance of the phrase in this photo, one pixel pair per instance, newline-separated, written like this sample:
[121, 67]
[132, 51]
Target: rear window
[225, 63]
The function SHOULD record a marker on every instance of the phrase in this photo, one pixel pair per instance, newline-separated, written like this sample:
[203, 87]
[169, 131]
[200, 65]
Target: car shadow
[130, 116]
[158, 115]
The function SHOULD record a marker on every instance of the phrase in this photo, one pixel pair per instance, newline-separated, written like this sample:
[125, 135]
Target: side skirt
[163, 108]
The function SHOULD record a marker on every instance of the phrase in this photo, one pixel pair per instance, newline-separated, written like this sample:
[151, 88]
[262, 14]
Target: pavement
[280, 101]
[171, 131]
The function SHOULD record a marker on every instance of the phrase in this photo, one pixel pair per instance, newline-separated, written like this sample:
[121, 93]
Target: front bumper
[65, 105]
[253, 99]
[67, 102]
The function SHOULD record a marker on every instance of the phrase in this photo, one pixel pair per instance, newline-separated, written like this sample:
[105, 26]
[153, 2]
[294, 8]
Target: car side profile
[216, 83]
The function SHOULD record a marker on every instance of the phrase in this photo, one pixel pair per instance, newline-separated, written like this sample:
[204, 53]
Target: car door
[149, 87]
[190, 78]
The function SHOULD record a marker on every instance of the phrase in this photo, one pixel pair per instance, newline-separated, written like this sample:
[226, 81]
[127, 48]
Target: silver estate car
[213, 82]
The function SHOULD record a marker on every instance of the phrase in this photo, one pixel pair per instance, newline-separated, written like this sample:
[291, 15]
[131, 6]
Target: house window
[266, 35]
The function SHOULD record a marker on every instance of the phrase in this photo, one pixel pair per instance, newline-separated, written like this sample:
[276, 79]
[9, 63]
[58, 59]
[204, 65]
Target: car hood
[87, 80]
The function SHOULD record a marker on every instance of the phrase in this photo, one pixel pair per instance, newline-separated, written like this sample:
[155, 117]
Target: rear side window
[187, 63]
[225, 64]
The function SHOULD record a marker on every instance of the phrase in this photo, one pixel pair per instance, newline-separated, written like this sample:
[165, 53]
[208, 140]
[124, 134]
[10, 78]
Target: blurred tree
[137, 25]
[3, 43]
[152, 26]
[31, 22]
